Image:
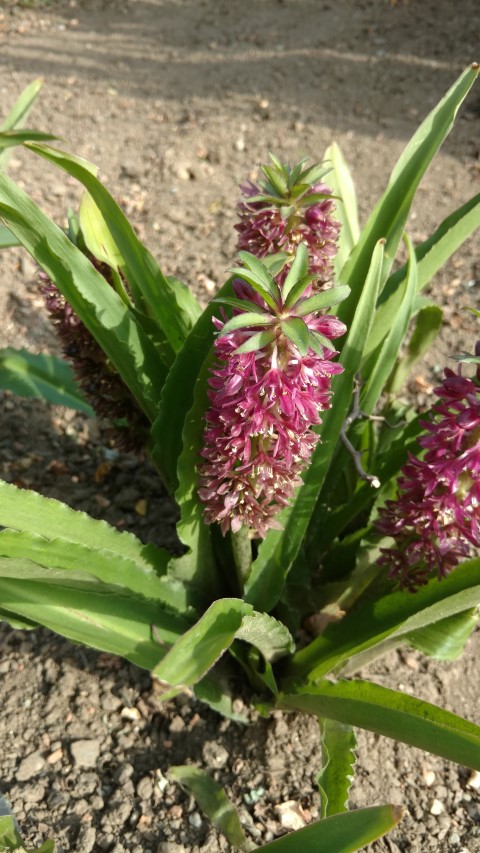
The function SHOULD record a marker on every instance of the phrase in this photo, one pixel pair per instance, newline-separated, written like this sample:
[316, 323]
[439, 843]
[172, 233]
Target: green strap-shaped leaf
[71, 559]
[267, 634]
[25, 510]
[102, 311]
[21, 109]
[338, 766]
[427, 326]
[18, 115]
[122, 624]
[393, 714]
[174, 307]
[387, 356]
[213, 800]
[342, 833]
[340, 180]
[200, 648]
[278, 550]
[167, 429]
[389, 216]
[196, 652]
[44, 377]
[198, 566]
[96, 234]
[431, 255]
[11, 138]
[446, 639]
[10, 838]
[7, 238]
[396, 614]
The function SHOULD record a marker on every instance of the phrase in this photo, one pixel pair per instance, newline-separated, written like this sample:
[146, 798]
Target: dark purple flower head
[289, 207]
[435, 519]
[270, 382]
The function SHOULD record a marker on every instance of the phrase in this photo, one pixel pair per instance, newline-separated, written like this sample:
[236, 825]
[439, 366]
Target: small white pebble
[239, 144]
[195, 820]
[474, 780]
[436, 807]
[454, 838]
[429, 777]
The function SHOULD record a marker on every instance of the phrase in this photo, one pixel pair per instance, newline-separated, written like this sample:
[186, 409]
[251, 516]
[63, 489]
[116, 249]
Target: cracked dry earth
[178, 100]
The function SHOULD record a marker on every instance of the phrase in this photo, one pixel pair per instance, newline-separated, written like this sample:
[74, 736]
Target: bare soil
[177, 101]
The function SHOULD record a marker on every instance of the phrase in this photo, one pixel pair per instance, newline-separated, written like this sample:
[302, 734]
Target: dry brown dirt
[177, 101]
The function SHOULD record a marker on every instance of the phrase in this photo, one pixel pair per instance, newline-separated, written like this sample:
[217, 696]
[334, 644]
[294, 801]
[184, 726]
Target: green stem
[242, 555]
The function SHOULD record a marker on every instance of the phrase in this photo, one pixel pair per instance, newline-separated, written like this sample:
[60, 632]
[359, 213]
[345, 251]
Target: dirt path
[177, 102]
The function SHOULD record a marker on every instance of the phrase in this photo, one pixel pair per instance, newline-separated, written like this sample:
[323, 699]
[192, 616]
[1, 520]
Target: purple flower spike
[289, 207]
[267, 389]
[435, 519]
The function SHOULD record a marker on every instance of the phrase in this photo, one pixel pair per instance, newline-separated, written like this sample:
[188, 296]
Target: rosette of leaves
[293, 613]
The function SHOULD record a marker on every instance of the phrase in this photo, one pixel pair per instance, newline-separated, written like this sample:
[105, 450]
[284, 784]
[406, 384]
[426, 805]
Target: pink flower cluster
[264, 402]
[265, 228]
[435, 519]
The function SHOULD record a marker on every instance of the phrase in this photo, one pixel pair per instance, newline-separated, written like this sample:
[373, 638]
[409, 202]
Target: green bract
[234, 599]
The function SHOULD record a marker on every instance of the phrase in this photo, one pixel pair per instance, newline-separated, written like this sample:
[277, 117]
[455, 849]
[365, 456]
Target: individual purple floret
[289, 207]
[435, 519]
[268, 386]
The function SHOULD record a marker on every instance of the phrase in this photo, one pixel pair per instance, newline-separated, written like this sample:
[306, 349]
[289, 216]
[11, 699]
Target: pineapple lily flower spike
[268, 386]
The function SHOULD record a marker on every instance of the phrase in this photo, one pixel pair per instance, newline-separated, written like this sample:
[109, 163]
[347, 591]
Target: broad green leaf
[340, 180]
[123, 624]
[389, 216]
[427, 326]
[393, 714]
[7, 238]
[446, 639]
[15, 622]
[338, 766]
[198, 566]
[172, 305]
[342, 833]
[25, 510]
[431, 255]
[267, 634]
[102, 311]
[394, 615]
[45, 377]
[203, 644]
[10, 838]
[279, 548]
[166, 444]
[213, 800]
[195, 653]
[96, 234]
[215, 689]
[387, 356]
[72, 559]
